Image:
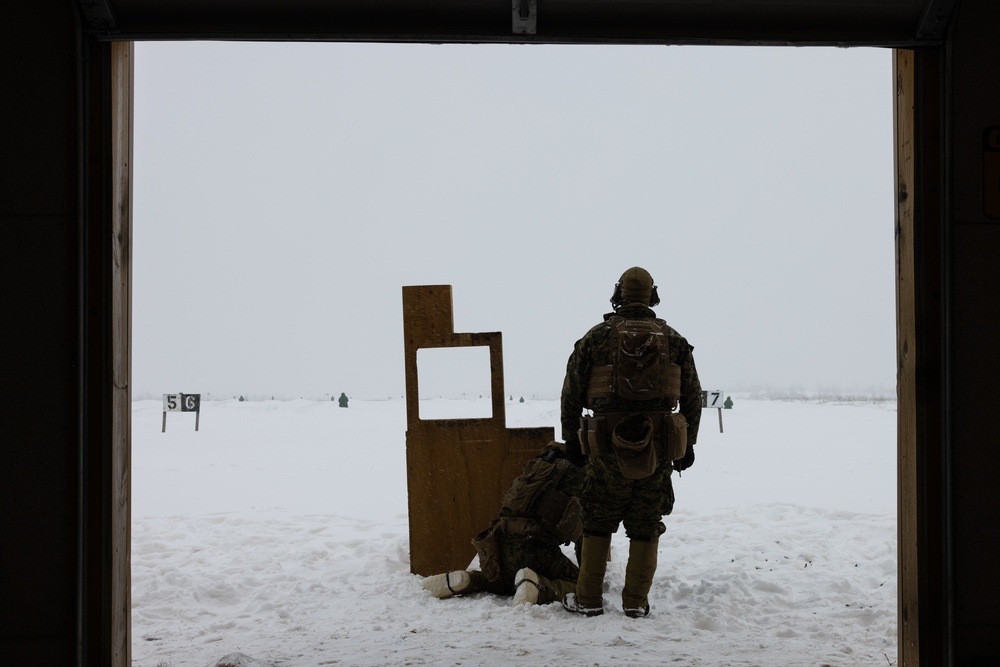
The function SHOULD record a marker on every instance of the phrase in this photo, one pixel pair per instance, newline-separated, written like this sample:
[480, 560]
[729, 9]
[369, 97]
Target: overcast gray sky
[284, 194]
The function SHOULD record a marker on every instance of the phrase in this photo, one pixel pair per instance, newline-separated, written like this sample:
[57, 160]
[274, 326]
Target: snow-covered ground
[276, 535]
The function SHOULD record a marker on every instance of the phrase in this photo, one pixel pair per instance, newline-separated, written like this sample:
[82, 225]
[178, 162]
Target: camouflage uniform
[608, 498]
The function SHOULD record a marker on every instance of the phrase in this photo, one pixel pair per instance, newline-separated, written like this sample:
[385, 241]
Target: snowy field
[277, 536]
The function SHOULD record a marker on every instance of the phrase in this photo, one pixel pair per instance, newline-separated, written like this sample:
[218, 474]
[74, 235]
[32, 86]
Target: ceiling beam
[890, 23]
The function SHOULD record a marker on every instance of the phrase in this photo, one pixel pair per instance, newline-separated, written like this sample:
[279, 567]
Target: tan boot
[639, 576]
[589, 596]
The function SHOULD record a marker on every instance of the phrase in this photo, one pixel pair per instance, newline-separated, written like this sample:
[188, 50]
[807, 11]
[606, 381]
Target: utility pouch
[632, 438]
[569, 525]
[591, 434]
[671, 381]
[675, 428]
[600, 384]
[489, 551]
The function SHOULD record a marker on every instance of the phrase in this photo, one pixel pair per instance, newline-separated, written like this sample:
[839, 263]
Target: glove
[574, 453]
[552, 455]
[685, 461]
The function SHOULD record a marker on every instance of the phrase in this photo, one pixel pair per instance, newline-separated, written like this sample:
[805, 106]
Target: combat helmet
[635, 286]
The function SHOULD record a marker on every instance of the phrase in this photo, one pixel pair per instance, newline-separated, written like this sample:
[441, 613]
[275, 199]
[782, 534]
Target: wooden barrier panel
[457, 470]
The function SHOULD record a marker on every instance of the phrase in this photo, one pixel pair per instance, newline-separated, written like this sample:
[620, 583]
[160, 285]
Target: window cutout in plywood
[454, 382]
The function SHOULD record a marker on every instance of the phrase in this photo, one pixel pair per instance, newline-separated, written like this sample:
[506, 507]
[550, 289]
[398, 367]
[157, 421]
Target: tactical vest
[640, 368]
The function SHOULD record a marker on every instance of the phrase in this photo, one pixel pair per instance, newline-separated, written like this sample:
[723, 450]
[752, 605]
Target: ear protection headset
[616, 297]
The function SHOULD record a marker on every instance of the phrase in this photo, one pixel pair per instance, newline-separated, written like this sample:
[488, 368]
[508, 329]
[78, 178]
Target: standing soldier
[632, 372]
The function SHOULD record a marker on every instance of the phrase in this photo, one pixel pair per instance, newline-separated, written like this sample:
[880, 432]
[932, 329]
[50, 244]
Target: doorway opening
[284, 193]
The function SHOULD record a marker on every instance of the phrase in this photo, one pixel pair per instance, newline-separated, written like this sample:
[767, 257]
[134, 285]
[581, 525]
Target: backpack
[640, 368]
[635, 358]
[535, 494]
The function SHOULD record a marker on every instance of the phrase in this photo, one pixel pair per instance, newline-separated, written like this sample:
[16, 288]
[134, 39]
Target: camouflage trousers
[609, 499]
[556, 572]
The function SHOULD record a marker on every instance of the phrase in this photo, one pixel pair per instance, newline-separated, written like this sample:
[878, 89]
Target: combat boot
[639, 576]
[589, 596]
[447, 584]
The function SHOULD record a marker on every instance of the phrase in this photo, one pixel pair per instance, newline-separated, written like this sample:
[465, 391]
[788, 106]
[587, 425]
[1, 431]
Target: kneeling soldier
[520, 552]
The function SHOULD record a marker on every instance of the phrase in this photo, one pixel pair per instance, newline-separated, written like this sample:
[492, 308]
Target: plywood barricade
[457, 470]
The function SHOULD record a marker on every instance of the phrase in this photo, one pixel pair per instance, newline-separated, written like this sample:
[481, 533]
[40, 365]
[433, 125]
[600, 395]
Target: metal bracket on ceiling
[98, 17]
[524, 17]
[935, 19]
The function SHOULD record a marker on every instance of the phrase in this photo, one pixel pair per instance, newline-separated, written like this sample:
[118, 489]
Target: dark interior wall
[38, 338]
[973, 103]
[53, 560]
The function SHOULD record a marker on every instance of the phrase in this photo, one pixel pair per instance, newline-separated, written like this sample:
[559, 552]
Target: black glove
[574, 453]
[685, 461]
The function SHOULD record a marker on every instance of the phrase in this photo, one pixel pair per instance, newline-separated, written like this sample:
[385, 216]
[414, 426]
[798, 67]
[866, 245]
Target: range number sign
[713, 399]
[182, 403]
